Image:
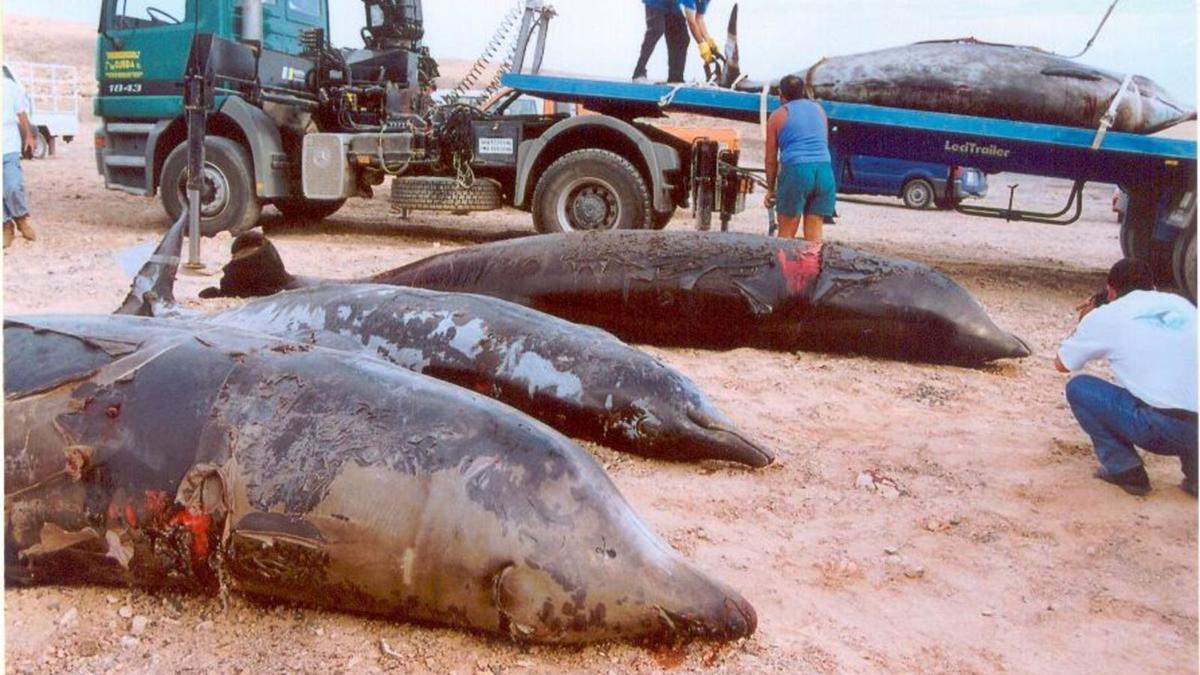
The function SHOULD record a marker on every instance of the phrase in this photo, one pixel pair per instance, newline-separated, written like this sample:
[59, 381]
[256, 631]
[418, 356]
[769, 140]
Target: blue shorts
[806, 188]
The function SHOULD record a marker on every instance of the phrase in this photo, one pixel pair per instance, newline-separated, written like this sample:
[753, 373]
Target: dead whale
[970, 77]
[710, 290]
[161, 454]
[582, 381]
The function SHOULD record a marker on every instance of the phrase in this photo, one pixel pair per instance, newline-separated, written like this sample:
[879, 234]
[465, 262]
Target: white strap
[762, 110]
[1110, 115]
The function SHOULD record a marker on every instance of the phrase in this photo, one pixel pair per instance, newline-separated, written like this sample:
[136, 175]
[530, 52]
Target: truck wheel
[591, 190]
[917, 193]
[227, 200]
[1137, 237]
[309, 210]
[1137, 223]
[41, 145]
[1183, 262]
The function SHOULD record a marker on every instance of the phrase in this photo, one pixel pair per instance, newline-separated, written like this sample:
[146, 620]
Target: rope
[669, 98]
[1093, 39]
[762, 109]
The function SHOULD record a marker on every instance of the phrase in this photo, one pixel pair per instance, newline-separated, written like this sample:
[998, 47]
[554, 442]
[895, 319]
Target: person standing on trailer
[663, 17]
[675, 19]
[800, 182]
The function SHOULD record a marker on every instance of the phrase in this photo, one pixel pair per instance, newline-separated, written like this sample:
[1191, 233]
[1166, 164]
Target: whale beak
[983, 341]
[720, 440]
[729, 619]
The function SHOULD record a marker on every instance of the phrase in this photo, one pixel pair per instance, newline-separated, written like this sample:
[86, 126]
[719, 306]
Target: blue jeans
[15, 205]
[1117, 421]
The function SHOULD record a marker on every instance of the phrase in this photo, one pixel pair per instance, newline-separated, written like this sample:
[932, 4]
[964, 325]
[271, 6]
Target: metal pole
[527, 23]
[197, 121]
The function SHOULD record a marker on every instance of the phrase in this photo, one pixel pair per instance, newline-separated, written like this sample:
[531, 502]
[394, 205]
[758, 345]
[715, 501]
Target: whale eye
[648, 425]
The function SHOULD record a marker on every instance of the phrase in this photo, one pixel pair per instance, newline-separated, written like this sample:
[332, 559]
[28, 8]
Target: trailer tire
[1183, 261]
[308, 210]
[41, 143]
[228, 201]
[917, 193]
[1138, 240]
[591, 190]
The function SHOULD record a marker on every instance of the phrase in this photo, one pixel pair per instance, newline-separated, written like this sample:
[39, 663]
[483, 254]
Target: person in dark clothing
[664, 17]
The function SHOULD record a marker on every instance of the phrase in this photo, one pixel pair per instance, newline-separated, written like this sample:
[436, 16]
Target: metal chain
[464, 173]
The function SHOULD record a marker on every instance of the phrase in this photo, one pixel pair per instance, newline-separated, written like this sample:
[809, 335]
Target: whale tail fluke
[154, 283]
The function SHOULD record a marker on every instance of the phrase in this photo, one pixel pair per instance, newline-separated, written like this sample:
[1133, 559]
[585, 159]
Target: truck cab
[141, 55]
[302, 126]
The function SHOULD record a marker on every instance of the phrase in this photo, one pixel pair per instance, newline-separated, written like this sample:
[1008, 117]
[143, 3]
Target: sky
[1154, 38]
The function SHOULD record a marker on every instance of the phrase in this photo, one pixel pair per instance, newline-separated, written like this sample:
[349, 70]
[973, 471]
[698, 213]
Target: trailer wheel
[917, 193]
[227, 200]
[1138, 241]
[308, 210]
[1183, 261]
[591, 190]
[41, 144]
[1136, 226]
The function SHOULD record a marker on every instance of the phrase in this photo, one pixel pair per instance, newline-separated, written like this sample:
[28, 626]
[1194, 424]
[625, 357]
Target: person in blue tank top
[675, 18]
[799, 170]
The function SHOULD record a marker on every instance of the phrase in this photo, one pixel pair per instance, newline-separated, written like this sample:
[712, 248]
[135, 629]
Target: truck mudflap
[265, 146]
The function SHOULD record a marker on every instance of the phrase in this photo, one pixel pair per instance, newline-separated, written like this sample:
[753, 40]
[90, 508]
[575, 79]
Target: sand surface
[995, 551]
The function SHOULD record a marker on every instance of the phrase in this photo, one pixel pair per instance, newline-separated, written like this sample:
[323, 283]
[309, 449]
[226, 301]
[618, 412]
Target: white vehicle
[53, 94]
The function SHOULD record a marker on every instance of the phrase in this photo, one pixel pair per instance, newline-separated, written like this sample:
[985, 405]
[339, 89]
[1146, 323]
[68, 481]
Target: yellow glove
[712, 47]
[706, 51]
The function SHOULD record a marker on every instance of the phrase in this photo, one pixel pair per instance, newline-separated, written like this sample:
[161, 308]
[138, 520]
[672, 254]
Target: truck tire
[917, 193]
[228, 200]
[441, 193]
[1183, 262]
[1137, 237]
[591, 190]
[41, 145]
[308, 210]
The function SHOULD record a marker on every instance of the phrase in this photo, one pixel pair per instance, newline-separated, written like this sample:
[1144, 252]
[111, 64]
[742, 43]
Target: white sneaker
[641, 79]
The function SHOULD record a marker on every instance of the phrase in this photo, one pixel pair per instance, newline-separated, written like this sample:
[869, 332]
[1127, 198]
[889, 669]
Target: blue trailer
[1159, 174]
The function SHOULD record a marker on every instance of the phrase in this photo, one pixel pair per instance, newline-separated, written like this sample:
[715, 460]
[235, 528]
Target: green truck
[313, 126]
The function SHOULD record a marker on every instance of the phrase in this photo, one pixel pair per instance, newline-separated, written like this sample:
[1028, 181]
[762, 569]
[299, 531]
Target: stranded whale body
[714, 290]
[162, 454]
[580, 380]
[969, 77]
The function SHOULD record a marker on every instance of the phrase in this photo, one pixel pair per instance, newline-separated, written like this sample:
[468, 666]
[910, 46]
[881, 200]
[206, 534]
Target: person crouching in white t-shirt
[1149, 339]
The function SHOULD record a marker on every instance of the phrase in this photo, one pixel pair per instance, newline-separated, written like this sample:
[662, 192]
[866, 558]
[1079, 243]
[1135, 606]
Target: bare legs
[813, 225]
